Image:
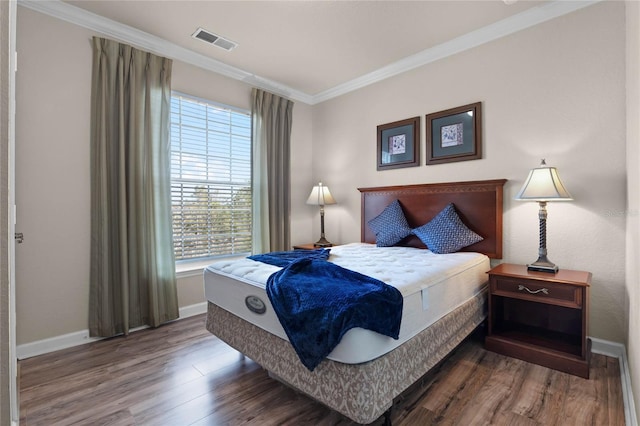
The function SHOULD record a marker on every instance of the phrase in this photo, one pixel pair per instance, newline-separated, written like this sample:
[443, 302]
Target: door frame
[9, 409]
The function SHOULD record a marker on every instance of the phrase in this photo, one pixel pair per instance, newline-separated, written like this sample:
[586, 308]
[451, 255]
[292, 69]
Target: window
[210, 178]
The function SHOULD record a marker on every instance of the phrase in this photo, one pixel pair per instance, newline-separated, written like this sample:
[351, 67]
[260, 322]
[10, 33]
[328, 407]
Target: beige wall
[52, 177]
[554, 91]
[52, 172]
[633, 189]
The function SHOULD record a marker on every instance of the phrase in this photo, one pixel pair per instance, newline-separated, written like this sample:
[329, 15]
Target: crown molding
[507, 26]
[157, 45]
[160, 46]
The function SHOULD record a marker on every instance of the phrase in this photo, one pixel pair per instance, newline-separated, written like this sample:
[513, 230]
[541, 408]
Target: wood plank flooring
[181, 375]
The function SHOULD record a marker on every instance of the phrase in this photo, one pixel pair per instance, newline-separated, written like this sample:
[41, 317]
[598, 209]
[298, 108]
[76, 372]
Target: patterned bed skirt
[362, 392]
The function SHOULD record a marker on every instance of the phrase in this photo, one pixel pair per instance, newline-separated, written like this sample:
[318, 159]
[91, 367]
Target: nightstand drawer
[543, 292]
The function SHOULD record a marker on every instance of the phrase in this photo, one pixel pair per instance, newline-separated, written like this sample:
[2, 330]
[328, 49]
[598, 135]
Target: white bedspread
[432, 285]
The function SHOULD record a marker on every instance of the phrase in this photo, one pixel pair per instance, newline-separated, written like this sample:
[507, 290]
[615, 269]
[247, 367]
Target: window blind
[210, 178]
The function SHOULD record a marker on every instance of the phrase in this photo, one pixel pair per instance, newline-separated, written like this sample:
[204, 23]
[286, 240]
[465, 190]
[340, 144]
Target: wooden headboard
[479, 204]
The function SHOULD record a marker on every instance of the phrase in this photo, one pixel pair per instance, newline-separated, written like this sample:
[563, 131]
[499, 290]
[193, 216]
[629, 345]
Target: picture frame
[399, 144]
[454, 134]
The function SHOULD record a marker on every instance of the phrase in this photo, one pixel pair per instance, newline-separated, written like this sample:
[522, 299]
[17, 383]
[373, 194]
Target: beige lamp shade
[543, 184]
[320, 196]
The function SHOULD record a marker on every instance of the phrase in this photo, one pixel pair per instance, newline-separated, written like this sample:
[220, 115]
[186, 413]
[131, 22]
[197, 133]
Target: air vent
[216, 40]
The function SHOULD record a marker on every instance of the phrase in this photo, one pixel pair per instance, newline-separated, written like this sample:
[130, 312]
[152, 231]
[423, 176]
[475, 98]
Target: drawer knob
[542, 290]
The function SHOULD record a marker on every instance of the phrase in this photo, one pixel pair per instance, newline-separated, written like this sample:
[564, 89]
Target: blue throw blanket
[317, 302]
[285, 258]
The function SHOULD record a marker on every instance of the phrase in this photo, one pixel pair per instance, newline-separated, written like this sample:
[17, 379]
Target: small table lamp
[321, 196]
[543, 184]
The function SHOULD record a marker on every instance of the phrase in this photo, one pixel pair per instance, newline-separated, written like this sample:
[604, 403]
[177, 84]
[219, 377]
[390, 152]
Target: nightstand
[309, 246]
[540, 317]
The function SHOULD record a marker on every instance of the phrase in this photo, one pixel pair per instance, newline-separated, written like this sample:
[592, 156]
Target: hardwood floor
[180, 374]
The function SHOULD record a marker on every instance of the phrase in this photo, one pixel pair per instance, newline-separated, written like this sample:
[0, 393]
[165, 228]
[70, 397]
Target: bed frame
[364, 392]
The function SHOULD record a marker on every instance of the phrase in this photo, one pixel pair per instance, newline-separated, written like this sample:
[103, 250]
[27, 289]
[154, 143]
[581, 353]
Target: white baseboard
[617, 350]
[40, 347]
[191, 310]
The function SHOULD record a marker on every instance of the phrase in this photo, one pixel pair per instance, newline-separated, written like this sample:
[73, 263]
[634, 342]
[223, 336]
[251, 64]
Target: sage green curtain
[133, 279]
[271, 132]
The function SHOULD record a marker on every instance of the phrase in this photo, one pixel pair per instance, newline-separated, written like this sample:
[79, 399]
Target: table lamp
[542, 185]
[321, 196]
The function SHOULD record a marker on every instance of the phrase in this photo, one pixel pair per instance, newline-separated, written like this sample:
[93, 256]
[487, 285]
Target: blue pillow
[446, 233]
[390, 226]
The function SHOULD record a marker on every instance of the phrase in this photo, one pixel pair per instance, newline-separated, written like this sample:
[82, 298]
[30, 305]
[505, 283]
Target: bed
[362, 384]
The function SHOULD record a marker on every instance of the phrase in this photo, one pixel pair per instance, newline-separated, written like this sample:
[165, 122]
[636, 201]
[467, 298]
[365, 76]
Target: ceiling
[313, 50]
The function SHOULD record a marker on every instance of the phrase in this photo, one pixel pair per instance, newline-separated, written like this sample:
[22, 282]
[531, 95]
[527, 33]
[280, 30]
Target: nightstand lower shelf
[555, 359]
[541, 337]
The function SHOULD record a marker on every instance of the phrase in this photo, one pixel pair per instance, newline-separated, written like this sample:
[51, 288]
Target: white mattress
[432, 285]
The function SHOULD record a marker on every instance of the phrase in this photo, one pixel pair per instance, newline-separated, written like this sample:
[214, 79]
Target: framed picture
[399, 144]
[455, 134]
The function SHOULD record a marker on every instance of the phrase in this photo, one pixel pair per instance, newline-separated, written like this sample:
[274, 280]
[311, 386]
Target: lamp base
[322, 242]
[543, 265]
